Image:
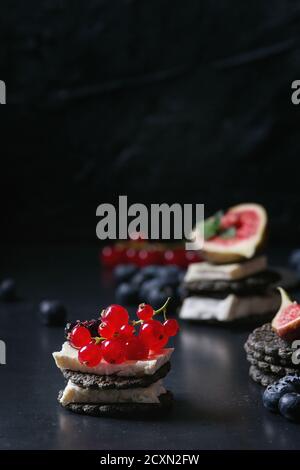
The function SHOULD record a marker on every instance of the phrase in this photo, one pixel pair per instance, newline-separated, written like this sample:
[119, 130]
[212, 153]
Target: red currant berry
[192, 257]
[131, 256]
[126, 330]
[160, 344]
[80, 336]
[171, 327]
[169, 257]
[116, 315]
[145, 312]
[90, 355]
[176, 257]
[153, 336]
[106, 330]
[109, 256]
[113, 351]
[146, 257]
[135, 349]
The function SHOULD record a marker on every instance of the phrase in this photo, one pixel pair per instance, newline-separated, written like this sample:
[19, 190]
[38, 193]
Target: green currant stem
[161, 309]
[165, 315]
[98, 339]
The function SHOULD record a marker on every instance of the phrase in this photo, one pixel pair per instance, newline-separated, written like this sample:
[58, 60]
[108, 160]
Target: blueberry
[273, 393]
[147, 287]
[170, 269]
[181, 292]
[52, 313]
[181, 276]
[138, 279]
[294, 259]
[8, 290]
[151, 271]
[291, 379]
[170, 275]
[127, 294]
[289, 406]
[157, 296]
[124, 272]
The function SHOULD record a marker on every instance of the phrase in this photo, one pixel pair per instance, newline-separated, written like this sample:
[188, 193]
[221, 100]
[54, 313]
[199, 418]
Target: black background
[164, 101]
[160, 100]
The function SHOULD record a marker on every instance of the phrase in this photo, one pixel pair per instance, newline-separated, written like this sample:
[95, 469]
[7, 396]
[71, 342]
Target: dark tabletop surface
[217, 405]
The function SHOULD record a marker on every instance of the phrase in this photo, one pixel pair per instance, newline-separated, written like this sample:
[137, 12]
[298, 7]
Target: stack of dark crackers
[256, 284]
[115, 382]
[131, 389]
[270, 356]
[259, 286]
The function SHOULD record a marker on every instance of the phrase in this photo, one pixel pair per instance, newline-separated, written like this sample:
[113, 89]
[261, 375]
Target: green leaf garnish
[212, 225]
[229, 233]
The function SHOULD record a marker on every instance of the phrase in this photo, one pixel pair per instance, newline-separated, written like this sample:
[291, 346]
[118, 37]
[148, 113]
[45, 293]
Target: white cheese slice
[230, 308]
[228, 272]
[67, 358]
[74, 394]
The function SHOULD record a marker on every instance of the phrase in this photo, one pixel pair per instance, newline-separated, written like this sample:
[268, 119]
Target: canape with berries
[115, 366]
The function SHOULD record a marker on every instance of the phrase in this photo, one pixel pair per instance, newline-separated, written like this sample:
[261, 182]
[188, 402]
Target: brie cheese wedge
[230, 308]
[67, 358]
[227, 272]
[74, 394]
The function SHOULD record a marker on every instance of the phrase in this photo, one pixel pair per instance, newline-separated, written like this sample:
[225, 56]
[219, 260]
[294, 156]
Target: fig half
[236, 235]
[286, 322]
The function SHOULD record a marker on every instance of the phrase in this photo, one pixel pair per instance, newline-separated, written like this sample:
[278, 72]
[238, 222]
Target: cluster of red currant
[118, 339]
[111, 256]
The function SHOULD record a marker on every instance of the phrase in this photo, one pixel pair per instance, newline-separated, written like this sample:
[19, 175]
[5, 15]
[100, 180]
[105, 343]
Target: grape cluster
[118, 339]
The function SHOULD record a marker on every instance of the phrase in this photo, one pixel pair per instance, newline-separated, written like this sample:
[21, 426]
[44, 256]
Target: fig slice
[286, 322]
[236, 235]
